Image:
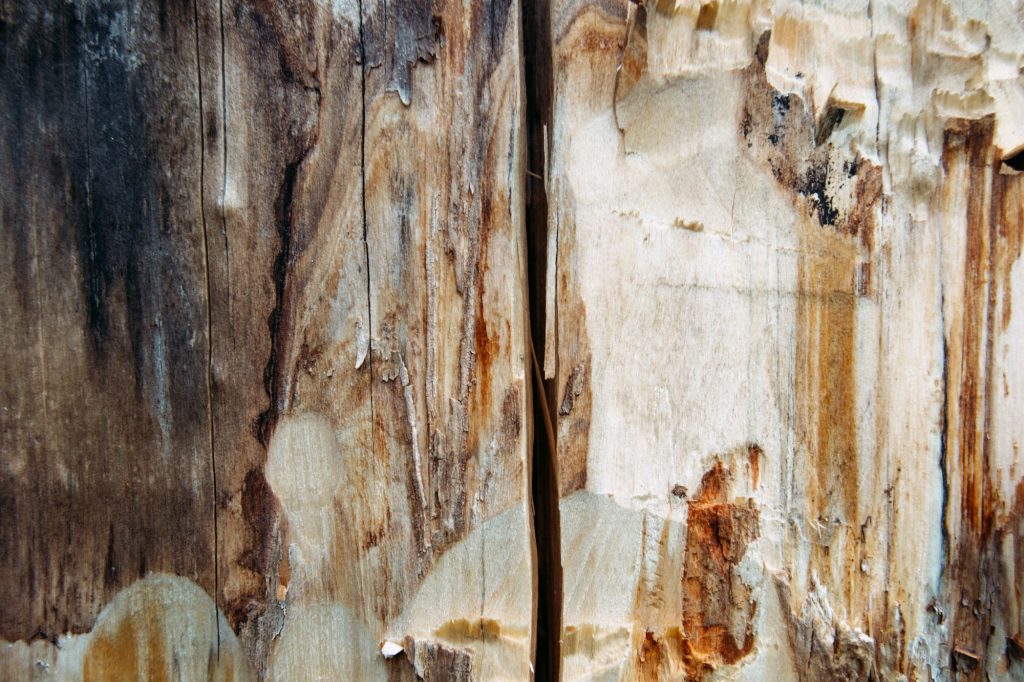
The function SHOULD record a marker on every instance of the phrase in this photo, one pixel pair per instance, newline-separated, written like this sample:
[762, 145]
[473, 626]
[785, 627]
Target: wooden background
[276, 274]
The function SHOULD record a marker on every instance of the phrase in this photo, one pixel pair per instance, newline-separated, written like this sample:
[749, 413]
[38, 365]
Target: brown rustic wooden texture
[265, 352]
[107, 465]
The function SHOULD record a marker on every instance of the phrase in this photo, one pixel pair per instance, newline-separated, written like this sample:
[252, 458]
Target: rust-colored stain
[1013, 575]
[658, 653]
[372, 537]
[657, 642]
[463, 630]
[592, 40]
[717, 608]
[117, 656]
[661, 654]
[649, 667]
[597, 35]
[836, 251]
[487, 351]
[967, 151]
[150, 635]
[969, 144]
[978, 579]
[574, 365]
[707, 16]
[825, 378]
[1008, 208]
[754, 456]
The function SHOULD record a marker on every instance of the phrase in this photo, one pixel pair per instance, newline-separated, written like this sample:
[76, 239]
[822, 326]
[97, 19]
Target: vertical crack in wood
[276, 377]
[366, 243]
[944, 442]
[224, 157]
[536, 21]
[209, 319]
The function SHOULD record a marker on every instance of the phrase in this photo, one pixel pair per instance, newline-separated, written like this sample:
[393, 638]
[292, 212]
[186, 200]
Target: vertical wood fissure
[538, 66]
[944, 446]
[362, 209]
[224, 152]
[209, 321]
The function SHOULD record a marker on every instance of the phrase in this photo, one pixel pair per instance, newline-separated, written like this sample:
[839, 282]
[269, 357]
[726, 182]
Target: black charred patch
[279, 321]
[814, 185]
[780, 104]
[72, 88]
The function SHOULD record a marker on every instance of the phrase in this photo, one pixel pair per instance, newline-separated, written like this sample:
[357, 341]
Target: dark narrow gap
[1015, 160]
[209, 321]
[366, 243]
[536, 16]
[944, 445]
[224, 158]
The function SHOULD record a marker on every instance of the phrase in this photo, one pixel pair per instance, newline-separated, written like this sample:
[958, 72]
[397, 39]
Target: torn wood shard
[391, 649]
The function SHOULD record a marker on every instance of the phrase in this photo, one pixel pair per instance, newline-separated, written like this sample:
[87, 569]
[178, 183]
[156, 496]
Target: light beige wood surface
[786, 358]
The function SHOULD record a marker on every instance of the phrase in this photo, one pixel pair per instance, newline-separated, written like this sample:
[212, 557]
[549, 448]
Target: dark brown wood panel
[104, 422]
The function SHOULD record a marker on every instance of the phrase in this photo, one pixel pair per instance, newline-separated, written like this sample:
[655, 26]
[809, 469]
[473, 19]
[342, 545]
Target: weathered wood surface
[264, 367]
[271, 270]
[106, 414]
[787, 364]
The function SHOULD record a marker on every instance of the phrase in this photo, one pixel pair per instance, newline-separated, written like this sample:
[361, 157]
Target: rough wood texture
[797, 399]
[266, 348]
[272, 272]
[105, 416]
